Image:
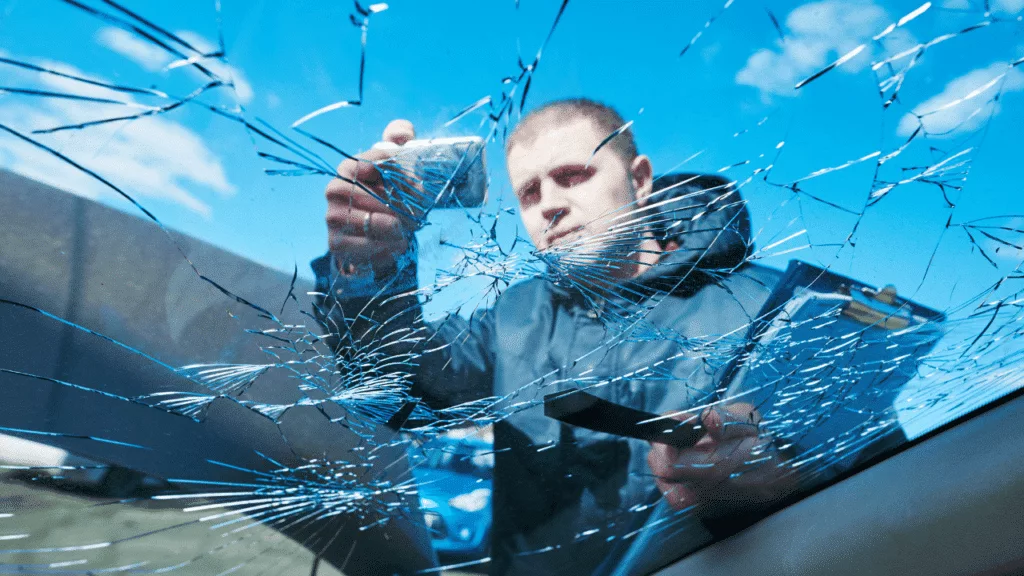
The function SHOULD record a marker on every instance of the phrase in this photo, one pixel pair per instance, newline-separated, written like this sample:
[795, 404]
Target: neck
[645, 257]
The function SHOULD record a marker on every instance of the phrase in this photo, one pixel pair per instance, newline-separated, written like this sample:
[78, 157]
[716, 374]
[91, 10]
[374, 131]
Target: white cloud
[998, 6]
[149, 158]
[818, 33]
[242, 86]
[144, 53]
[1008, 6]
[964, 105]
[709, 52]
[153, 58]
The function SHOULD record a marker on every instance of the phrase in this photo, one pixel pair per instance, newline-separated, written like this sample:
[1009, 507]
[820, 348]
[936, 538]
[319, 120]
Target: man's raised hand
[364, 234]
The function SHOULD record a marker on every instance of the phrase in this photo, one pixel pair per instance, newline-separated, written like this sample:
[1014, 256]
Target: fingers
[361, 237]
[361, 183]
[700, 464]
[359, 247]
[399, 132]
[362, 187]
[662, 460]
[678, 496]
[372, 224]
[716, 468]
[358, 252]
[731, 421]
[363, 169]
[732, 432]
[362, 227]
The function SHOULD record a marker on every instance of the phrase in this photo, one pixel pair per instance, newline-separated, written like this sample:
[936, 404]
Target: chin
[597, 260]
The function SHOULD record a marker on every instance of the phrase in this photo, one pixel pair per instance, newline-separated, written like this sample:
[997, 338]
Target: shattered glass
[831, 244]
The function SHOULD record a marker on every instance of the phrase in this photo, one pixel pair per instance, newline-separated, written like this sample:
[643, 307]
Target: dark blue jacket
[557, 486]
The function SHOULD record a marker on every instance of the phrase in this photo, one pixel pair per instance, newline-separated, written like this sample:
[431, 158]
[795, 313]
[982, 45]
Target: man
[669, 254]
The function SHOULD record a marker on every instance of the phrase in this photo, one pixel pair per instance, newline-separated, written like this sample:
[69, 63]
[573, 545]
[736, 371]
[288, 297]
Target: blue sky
[729, 99]
[426, 60]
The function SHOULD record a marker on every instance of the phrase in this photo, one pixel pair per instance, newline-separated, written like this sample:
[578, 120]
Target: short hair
[605, 118]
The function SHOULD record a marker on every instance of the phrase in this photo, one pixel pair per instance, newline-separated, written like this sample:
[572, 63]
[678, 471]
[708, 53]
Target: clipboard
[879, 312]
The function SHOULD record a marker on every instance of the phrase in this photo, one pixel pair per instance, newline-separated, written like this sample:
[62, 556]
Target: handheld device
[438, 172]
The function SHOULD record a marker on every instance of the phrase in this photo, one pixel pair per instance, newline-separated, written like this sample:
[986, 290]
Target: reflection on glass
[544, 333]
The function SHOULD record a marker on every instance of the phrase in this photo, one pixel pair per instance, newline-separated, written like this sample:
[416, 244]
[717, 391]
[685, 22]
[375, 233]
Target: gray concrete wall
[122, 277]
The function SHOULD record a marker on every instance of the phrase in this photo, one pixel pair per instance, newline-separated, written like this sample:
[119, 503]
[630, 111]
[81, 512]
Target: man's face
[565, 196]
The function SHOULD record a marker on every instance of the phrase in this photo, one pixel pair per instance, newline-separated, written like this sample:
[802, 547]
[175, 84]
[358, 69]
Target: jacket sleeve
[375, 328]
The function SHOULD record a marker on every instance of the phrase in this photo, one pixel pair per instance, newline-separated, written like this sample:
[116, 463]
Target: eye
[570, 176]
[529, 194]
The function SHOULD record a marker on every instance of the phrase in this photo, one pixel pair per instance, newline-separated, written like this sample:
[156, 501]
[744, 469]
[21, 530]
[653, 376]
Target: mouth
[552, 238]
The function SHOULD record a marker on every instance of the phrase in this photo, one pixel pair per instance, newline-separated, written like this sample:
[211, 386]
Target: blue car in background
[454, 474]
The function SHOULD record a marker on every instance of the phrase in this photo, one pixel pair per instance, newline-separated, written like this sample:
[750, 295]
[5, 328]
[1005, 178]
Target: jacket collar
[706, 217]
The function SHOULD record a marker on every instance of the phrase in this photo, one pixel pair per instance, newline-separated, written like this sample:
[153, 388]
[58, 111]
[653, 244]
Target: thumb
[732, 421]
[399, 132]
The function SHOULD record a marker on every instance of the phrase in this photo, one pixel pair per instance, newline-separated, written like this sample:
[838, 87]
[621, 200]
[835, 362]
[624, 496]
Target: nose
[553, 207]
[553, 215]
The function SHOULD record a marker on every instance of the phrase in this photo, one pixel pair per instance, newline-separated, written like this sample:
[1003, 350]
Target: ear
[642, 175]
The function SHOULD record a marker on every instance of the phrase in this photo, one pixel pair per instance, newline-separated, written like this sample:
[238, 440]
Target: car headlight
[474, 501]
[435, 525]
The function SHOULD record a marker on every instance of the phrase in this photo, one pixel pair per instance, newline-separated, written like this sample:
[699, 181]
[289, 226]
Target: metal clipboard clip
[878, 308]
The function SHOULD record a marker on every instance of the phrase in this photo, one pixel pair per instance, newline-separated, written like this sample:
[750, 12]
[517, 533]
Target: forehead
[552, 143]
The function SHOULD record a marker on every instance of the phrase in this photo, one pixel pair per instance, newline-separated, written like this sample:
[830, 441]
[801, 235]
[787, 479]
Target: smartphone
[438, 172]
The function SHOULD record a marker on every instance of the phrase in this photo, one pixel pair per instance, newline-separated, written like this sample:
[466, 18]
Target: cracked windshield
[511, 287]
